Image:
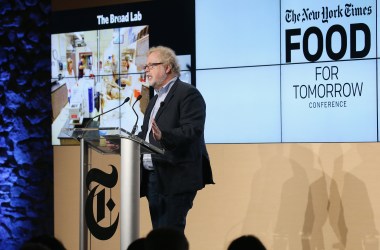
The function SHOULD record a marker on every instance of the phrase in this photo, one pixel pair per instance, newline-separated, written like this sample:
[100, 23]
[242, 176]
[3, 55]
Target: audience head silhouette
[34, 246]
[138, 244]
[43, 242]
[166, 239]
[246, 242]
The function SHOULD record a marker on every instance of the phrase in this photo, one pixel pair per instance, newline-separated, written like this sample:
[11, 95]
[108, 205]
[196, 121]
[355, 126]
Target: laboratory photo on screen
[97, 72]
[97, 64]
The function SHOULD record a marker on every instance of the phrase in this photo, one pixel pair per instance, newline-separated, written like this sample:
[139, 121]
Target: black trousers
[168, 210]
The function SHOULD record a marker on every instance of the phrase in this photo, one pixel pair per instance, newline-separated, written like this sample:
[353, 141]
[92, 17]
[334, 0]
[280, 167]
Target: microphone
[137, 117]
[125, 101]
[162, 104]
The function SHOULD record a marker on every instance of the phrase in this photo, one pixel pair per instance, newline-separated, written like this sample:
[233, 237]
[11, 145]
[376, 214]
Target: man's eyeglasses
[150, 66]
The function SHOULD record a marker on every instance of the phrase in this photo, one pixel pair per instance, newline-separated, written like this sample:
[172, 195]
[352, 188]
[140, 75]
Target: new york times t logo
[108, 181]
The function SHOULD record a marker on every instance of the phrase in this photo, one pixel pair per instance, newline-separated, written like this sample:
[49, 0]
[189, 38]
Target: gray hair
[168, 57]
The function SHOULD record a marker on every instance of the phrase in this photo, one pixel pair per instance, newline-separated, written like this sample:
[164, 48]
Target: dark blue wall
[26, 159]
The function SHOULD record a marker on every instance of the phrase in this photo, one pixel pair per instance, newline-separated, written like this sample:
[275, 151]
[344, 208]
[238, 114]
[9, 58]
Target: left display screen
[97, 70]
[98, 57]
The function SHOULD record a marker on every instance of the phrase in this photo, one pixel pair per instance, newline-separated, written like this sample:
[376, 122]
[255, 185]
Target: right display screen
[288, 71]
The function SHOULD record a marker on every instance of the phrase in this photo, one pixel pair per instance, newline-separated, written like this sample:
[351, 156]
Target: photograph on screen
[96, 72]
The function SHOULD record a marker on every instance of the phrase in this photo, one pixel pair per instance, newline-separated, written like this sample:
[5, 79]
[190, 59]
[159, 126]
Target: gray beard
[160, 81]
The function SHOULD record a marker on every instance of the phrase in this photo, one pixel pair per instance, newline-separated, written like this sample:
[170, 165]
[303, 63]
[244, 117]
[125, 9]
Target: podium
[113, 140]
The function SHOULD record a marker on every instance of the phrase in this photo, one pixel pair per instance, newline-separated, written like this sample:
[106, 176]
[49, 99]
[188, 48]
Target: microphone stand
[125, 101]
[137, 117]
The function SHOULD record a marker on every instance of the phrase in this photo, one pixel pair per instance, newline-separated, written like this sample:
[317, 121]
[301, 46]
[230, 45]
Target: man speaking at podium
[174, 120]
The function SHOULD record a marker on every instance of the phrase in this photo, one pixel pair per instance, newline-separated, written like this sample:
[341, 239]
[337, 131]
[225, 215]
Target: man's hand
[157, 135]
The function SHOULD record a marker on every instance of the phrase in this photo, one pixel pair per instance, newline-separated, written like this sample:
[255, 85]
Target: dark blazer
[185, 165]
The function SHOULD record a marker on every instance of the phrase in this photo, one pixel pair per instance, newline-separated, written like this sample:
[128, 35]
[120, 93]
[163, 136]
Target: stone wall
[26, 159]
